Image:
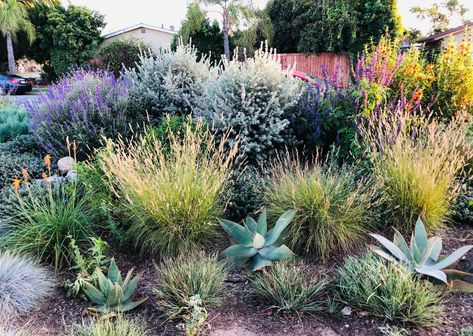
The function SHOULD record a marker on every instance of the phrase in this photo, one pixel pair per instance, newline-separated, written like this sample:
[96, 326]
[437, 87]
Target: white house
[153, 36]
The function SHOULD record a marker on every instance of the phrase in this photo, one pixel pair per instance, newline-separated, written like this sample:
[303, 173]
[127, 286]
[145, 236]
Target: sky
[120, 13]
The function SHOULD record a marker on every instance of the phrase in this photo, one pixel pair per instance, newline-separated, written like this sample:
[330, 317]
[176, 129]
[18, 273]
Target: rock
[325, 332]
[56, 179]
[65, 164]
[232, 331]
[71, 175]
[346, 311]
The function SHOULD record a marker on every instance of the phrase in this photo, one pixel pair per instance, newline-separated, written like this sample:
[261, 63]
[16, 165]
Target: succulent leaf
[115, 297]
[452, 258]
[433, 273]
[384, 255]
[93, 293]
[104, 284]
[238, 233]
[251, 224]
[130, 288]
[276, 253]
[258, 241]
[436, 248]
[131, 305]
[420, 236]
[114, 273]
[393, 249]
[280, 226]
[400, 242]
[258, 262]
[262, 223]
[239, 251]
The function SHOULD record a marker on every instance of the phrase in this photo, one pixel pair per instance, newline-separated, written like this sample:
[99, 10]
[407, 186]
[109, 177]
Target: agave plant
[112, 293]
[423, 255]
[254, 244]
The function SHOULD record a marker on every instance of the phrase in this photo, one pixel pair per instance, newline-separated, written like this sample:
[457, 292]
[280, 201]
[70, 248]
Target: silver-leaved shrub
[168, 81]
[254, 99]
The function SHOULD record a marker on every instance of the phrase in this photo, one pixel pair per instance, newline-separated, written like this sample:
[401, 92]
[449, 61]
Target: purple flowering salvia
[86, 106]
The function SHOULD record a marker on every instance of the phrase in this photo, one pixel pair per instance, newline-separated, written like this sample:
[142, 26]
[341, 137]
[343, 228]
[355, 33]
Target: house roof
[442, 35]
[139, 26]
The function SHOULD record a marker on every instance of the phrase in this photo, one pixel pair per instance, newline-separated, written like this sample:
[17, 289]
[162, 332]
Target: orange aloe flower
[16, 183]
[47, 160]
[25, 174]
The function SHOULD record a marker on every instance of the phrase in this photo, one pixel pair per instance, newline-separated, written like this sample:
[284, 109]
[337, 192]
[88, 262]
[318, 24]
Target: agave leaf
[238, 233]
[281, 224]
[130, 288]
[114, 273]
[250, 224]
[400, 242]
[115, 297]
[104, 283]
[131, 305]
[415, 253]
[426, 254]
[258, 262]
[128, 277]
[276, 253]
[384, 255]
[239, 251]
[461, 286]
[452, 258]
[420, 237]
[258, 241]
[262, 227]
[432, 273]
[453, 274]
[388, 245]
[436, 248]
[93, 293]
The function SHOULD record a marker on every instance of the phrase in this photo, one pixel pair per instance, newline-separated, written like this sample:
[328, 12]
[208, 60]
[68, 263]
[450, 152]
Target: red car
[306, 78]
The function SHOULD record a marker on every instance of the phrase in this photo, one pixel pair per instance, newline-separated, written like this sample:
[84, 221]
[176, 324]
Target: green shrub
[390, 291]
[186, 277]
[334, 209]
[289, 287]
[417, 167]
[24, 284]
[20, 144]
[119, 54]
[169, 81]
[253, 99]
[118, 326]
[12, 164]
[170, 201]
[43, 223]
[13, 122]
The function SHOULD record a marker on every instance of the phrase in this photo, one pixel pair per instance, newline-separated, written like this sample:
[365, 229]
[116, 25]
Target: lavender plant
[86, 106]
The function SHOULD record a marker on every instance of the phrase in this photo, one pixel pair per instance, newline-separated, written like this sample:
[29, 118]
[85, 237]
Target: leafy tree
[120, 53]
[14, 18]
[439, 14]
[375, 17]
[330, 26]
[284, 16]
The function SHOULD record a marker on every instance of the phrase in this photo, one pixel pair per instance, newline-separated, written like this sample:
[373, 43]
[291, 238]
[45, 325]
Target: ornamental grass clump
[254, 99]
[289, 287]
[334, 208]
[389, 291]
[43, 222]
[13, 122]
[116, 326]
[183, 279]
[85, 105]
[24, 284]
[416, 163]
[170, 199]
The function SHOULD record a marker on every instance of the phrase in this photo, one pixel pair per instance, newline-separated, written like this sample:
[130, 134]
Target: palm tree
[232, 11]
[13, 19]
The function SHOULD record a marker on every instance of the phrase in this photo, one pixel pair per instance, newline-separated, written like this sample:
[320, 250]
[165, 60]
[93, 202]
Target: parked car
[14, 84]
[306, 78]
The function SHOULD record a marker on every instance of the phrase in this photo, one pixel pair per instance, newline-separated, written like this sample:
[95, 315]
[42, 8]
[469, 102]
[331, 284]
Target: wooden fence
[313, 64]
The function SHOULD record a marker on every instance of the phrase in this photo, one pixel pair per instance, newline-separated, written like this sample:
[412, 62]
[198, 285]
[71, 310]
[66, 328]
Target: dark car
[14, 84]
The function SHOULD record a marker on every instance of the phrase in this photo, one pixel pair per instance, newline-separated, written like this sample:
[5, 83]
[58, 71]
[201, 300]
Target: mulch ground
[242, 314]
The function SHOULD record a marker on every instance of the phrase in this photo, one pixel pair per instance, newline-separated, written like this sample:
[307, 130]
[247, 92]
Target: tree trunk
[226, 45]
[226, 30]
[11, 55]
